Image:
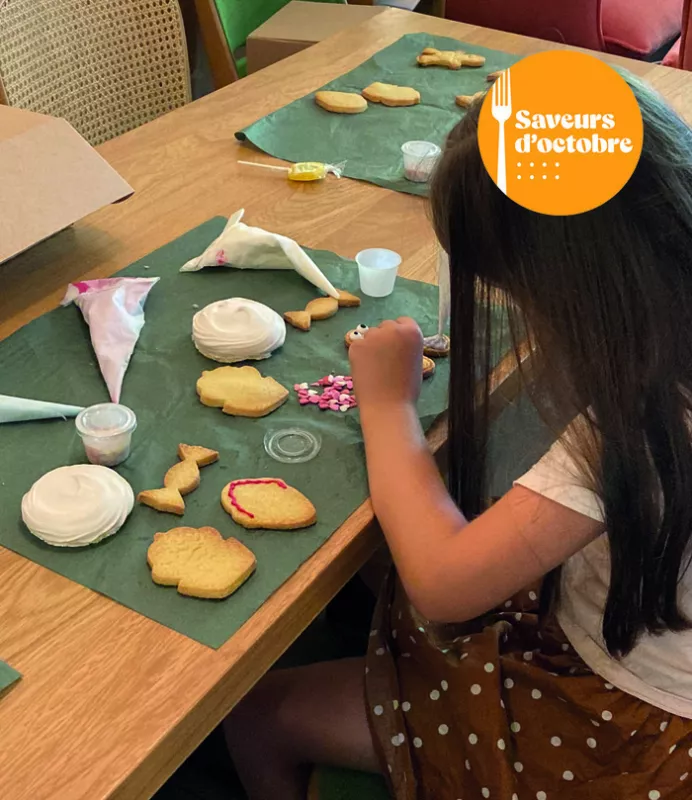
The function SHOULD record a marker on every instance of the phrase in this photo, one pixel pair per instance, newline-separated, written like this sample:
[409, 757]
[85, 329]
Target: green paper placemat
[370, 142]
[8, 675]
[52, 359]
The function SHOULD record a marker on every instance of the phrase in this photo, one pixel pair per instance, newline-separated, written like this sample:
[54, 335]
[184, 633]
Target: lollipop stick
[264, 166]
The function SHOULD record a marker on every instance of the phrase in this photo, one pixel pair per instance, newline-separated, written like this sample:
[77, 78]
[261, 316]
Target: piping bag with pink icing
[243, 247]
[113, 308]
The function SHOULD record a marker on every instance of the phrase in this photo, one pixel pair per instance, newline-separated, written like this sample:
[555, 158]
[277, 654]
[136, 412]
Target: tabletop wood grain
[111, 702]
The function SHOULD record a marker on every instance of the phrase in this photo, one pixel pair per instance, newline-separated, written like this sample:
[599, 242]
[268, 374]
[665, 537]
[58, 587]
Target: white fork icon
[502, 111]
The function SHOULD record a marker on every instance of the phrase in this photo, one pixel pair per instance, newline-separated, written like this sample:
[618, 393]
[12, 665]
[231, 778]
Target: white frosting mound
[237, 330]
[76, 506]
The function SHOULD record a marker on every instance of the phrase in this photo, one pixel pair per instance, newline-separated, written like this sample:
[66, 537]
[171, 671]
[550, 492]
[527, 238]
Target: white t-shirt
[659, 668]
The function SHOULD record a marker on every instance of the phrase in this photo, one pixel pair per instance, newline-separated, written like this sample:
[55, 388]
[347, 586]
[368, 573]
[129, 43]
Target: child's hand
[386, 364]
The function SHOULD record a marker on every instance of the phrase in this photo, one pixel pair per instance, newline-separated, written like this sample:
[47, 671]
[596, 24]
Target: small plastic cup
[106, 430]
[420, 159]
[377, 270]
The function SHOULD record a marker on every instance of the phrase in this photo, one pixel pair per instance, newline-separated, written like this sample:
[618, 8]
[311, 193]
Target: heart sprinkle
[336, 393]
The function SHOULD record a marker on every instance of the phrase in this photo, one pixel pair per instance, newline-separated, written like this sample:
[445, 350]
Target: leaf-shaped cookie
[200, 562]
[267, 503]
[241, 391]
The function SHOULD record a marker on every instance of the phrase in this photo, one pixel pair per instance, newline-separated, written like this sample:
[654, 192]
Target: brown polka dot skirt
[503, 708]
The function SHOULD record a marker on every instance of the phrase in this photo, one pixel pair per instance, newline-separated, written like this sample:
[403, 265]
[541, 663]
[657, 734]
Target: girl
[581, 690]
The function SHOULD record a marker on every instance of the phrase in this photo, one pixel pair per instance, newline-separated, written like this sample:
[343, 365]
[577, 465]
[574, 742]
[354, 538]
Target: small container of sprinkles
[106, 431]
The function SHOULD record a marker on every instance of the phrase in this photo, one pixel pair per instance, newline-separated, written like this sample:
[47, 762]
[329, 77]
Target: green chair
[225, 27]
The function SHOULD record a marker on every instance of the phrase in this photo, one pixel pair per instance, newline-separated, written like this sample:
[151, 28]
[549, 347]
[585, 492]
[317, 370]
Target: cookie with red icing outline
[267, 503]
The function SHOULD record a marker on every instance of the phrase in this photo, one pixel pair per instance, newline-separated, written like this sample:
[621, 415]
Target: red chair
[680, 54]
[634, 28]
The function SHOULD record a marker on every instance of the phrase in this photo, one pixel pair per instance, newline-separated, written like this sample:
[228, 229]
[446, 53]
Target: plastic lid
[419, 149]
[292, 445]
[105, 420]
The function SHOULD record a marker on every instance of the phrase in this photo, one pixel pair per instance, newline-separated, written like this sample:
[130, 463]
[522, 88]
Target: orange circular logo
[560, 132]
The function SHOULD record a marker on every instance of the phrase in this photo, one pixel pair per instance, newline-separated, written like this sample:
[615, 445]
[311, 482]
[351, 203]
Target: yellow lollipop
[303, 170]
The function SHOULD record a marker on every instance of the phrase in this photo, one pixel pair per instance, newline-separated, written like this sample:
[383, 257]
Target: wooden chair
[106, 66]
[225, 26]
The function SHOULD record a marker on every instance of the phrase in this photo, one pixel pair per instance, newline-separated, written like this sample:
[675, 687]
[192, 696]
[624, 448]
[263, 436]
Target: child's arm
[452, 570]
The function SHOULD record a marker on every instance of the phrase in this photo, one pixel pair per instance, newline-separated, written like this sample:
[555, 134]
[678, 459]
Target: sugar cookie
[465, 100]
[451, 59]
[241, 391]
[390, 95]
[341, 102]
[203, 456]
[298, 319]
[347, 300]
[168, 501]
[200, 562]
[322, 308]
[267, 503]
[436, 346]
[182, 478]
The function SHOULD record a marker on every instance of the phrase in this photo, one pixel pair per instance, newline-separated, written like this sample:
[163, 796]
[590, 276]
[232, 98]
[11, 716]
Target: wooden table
[111, 702]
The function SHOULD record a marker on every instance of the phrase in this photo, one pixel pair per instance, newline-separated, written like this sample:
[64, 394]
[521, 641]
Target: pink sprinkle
[313, 399]
[343, 398]
[349, 384]
[303, 401]
[334, 405]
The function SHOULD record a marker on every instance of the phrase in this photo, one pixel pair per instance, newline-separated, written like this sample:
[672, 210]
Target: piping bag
[243, 247]
[22, 409]
[113, 308]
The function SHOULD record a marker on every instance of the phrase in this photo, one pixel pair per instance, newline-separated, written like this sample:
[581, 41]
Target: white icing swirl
[78, 505]
[237, 330]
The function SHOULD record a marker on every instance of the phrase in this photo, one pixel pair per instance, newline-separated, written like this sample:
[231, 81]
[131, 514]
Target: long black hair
[604, 299]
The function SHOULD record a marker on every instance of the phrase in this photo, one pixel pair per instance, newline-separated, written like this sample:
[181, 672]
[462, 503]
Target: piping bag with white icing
[243, 247]
[113, 308]
[22, 409]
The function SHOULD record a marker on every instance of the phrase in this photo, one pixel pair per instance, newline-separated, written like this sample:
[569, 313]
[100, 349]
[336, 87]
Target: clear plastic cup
[106, 430]
[377, 270]
[420, 159]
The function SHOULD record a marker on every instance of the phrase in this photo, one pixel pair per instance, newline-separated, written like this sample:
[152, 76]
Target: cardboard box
[299, 25]
[50, 178]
